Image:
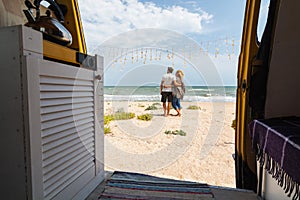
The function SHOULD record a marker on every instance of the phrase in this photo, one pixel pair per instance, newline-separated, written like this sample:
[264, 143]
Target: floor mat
[125, 185]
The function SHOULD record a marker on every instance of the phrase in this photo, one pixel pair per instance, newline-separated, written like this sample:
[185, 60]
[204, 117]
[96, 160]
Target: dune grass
[193, 107]
[156, 104]
[116, 116]
[107, 119]
[145, 117]
[176, 132]
[152, 107]
[120, 116]
[107, 130]
[233, 124]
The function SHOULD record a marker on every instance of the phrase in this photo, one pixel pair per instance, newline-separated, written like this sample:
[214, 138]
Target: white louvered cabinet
[51, 122]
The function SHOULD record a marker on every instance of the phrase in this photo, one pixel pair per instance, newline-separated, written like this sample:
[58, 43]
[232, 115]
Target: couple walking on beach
[172, 89]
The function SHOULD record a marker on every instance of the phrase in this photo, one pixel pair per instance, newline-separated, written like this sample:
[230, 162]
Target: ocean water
[151, 93]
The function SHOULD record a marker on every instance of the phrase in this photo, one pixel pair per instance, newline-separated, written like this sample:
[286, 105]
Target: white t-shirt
[167, 79]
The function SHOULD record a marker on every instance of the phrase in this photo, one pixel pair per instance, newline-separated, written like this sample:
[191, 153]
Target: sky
[139, 39]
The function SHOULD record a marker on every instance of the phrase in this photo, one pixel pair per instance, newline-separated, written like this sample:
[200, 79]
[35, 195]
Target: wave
[198, 89]
[157, 98]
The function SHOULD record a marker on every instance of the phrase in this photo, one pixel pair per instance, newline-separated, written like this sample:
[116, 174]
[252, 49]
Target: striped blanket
[125, 185]
[277, 145]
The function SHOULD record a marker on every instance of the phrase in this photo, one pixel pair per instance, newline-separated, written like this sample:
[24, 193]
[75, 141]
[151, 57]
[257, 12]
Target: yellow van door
[244, 159]
[252, 82]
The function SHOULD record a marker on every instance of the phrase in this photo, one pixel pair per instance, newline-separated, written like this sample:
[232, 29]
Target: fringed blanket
[277, 143]
[125, 185]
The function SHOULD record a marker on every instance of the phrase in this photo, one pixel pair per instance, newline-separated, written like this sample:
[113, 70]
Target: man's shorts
[166, 96]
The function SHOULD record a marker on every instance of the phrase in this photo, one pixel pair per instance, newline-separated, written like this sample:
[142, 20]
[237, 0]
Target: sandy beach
[204, 154]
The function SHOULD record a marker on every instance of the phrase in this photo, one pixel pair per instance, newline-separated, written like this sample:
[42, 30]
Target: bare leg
[178, 112]
[169, 107]
[165, 108]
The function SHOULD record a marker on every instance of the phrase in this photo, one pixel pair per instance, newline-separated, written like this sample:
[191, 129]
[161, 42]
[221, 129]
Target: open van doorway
[196, 145]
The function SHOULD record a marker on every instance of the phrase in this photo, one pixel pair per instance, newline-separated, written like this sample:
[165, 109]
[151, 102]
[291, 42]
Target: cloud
[103, 19]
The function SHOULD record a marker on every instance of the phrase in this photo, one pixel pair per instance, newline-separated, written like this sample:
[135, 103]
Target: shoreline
[156, 98]
[143, 146]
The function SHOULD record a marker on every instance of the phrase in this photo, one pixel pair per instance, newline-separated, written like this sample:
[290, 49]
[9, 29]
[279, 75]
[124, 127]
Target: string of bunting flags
[148, 55]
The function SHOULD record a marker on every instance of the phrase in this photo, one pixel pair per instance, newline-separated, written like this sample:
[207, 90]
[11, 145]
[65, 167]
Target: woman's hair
[180, 73]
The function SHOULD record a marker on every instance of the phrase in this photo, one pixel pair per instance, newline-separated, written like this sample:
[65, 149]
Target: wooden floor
[220, 193]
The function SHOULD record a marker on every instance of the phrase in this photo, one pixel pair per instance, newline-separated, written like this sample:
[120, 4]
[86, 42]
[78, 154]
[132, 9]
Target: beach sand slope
[204, 154]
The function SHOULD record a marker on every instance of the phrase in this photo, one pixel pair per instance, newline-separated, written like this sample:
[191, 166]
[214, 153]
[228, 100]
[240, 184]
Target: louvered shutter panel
[65, 97]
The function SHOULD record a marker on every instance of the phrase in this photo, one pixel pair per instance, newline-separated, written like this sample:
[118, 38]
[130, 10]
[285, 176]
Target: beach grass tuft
[193, 107]
[107, 130]
[122, 115]
[176, 132]
[156, 104]
[107, 119]
[152, 107]
[145, 117]
[116, 116]
[233, 124]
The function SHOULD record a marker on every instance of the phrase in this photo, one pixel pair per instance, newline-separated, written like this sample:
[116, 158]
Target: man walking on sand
[166, 90]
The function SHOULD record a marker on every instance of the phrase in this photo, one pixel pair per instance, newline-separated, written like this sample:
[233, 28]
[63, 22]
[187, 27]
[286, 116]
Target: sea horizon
[152, 93]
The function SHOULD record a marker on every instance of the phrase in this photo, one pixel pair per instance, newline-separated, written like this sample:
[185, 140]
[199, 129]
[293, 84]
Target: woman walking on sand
[178, 91]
